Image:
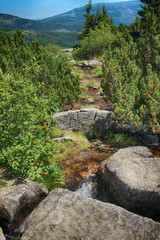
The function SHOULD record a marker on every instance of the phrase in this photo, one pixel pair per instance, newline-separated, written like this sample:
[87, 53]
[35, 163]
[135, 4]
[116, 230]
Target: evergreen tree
[150, 16]
[90, 21]
[150, 5]
[95, 20]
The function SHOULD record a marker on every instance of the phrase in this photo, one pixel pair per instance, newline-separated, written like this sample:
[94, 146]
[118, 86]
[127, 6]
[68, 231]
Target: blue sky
[36, 9]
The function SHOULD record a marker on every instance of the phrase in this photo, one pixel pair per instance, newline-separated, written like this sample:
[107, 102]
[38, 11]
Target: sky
[38, 9]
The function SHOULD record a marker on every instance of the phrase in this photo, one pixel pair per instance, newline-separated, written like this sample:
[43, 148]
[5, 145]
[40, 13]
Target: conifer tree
[94, 20]
[90, 21]
[150, 16]
[150, 5]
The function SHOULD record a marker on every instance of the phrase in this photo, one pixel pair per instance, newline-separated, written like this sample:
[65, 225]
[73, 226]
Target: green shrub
[94, 43]
[33, 86]
[120, 139]
[52, 176]
[131, 81]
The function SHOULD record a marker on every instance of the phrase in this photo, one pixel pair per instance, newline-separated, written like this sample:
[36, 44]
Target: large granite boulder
[17, 201]
[131, 178]
[84, 119]
[67, 215]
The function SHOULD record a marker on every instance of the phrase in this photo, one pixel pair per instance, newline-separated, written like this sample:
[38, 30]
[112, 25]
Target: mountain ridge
[73, 20]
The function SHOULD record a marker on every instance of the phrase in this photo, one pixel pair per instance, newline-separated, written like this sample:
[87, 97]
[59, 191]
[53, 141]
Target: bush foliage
[131, 81]
[33, 85]
[131, 56]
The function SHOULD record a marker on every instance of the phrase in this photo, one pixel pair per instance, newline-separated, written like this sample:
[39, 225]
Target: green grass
[89, 76]
[2, 183]
[68, 149]
[120, 139]
[56, 132]
[83, 95]
[97, 72]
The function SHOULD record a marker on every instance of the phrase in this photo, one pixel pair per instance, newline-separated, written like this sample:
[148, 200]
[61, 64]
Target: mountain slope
[73, 20]
[124, 12]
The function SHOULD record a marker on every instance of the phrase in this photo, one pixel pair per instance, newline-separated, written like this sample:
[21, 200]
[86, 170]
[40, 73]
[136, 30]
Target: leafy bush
[52, 176]
[94, 43]
[131, 81]
[24, 142]
[33, 86]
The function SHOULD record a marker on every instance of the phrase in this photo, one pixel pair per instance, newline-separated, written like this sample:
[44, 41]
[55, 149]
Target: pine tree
[90, 21]
[150, 16]
[95, 20]
[150, 5]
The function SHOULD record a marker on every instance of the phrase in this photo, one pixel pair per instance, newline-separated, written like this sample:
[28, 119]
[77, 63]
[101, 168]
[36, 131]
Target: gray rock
[131, 179]
[72, 61]
[61, 139]
[84, 119]
[84, 64]
[67, 215]
[104, 120]
[67, 50]
[17, 201]
[1, 234]
[94, 63]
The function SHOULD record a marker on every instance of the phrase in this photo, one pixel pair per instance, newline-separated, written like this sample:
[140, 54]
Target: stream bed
[81, 170]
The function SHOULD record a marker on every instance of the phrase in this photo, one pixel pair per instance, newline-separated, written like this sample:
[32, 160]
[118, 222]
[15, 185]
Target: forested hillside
[73, 20]
[124, 12]
[62, 29]
[61, 39]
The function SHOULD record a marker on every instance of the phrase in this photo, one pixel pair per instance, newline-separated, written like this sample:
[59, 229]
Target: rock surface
[61, 139]
[84, 118]
[131, 178]
[17, 201]
[94, 63]
[84, 64]
[67, 215]
[1, 234]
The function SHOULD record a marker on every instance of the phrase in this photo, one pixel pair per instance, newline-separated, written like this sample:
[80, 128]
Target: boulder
[84, 64]
[94, 63]
[72, 61]
[1, 234]
[63, 139]
[131, 178]
[17, 201]
[84, 119]
[67, 215]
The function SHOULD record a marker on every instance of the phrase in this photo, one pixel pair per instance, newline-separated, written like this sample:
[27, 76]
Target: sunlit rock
[17, 201]
[67, 215]
[131, 179]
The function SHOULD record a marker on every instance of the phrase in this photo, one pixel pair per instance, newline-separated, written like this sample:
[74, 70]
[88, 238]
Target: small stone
[94, 63]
